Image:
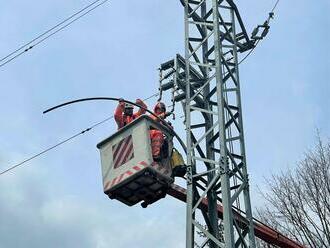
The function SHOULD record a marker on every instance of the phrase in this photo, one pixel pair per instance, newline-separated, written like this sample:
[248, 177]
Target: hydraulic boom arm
[262, 231]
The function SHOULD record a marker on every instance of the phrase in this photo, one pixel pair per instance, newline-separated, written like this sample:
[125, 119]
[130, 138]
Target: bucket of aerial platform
[129, 171]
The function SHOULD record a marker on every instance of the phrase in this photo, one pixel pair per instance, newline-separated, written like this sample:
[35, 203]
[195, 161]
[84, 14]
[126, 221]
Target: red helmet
[161, 106]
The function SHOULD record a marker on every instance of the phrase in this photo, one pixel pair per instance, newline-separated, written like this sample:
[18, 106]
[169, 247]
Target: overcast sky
[57, 199]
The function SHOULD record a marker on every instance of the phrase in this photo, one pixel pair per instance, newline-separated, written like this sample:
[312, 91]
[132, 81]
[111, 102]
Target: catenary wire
[247, 55]
[252, 50]
[99, 123]
[28, 46]
[64, 141]
[49, 30]
[275, 6]
[166, 125]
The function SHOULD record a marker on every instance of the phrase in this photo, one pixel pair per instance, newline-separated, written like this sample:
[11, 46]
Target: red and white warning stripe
[123, 152]
[140, 166]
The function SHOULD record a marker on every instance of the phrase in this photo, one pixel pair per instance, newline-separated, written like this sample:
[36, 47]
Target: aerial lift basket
[129, 171]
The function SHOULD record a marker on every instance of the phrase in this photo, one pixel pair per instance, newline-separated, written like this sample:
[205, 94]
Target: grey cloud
[33, 215]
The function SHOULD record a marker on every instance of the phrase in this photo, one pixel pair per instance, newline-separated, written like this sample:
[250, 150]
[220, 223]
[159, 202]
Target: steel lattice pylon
[206, 82]
[211, 46]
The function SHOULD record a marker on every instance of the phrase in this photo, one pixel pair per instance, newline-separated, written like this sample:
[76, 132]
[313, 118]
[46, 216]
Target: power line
[42, 152]
[65, 141]
[250, 52]
[51, 34]
[49, 30]
[28, 46]
[275, 5]
[256, 44]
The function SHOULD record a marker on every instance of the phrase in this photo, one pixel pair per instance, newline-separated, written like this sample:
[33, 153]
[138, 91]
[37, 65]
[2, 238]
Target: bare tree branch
[299, 199]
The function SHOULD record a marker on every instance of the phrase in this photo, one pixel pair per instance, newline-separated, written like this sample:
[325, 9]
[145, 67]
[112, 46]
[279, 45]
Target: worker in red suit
[157, 137]
[124, 112]
[157, 140]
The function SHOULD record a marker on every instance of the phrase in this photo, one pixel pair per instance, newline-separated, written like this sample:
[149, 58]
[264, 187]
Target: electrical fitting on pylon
[261, 31]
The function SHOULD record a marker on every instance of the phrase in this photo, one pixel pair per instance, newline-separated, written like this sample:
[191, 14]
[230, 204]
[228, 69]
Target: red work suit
[157, 141]
[157, 138]
[122, 119]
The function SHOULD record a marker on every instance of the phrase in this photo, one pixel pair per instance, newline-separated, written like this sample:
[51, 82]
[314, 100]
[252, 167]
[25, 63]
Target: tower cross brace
[206, 82]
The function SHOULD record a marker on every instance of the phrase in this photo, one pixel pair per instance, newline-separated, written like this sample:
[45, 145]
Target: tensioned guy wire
[64, 141]
[50, 32]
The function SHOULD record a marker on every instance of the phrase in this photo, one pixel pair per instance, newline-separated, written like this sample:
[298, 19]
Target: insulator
[255, 32]
[167, 65]
[180, 97]
[167, 86]
[265, 32]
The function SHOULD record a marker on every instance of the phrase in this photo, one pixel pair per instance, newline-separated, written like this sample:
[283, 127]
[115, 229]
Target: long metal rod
[169, 128]
[247, 200]
[189, 207]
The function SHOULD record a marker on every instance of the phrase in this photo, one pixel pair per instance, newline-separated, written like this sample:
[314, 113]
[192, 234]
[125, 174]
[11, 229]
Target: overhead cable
[275, 6]
[50, 32]
[64, 141]
[249, 53]
[270, 16]
[162, 121]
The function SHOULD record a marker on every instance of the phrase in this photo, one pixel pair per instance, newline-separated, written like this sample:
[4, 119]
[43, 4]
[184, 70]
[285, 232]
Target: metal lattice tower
[213, 39]
[206, 82]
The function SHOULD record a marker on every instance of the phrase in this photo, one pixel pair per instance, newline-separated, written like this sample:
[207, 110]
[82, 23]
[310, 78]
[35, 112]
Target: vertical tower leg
[215, 138]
